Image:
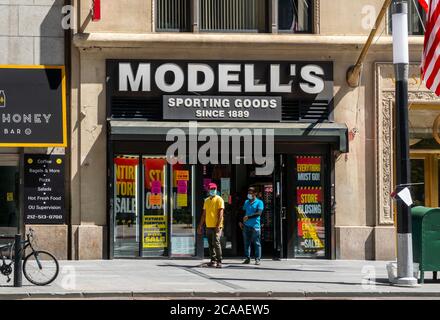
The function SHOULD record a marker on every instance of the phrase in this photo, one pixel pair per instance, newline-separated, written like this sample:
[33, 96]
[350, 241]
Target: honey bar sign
[33, 106]
[2, 99]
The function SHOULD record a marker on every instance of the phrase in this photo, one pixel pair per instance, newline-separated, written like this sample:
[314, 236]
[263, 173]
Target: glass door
[221, 175]
[310, 209]
[280, 208]
[183, 222]
[126, 231]
[9, 194]
[155, 235]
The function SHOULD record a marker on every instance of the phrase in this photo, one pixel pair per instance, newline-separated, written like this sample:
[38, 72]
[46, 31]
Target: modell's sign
[224, 90]
[32, 107]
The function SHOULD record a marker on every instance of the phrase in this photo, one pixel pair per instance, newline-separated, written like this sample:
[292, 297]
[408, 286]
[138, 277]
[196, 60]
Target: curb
[216, 294]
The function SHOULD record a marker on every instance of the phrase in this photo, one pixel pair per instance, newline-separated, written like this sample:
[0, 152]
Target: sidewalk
[186, 279]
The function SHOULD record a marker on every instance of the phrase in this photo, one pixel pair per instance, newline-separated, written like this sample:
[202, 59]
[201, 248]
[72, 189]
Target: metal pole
[18, 279]
[405, 272]
[353, 73]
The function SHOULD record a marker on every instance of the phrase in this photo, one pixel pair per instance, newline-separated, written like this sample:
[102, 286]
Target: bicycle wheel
[40, 268]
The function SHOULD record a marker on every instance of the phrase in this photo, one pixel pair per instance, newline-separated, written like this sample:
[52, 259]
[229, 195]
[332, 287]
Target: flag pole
[354, 72]
[405, 269]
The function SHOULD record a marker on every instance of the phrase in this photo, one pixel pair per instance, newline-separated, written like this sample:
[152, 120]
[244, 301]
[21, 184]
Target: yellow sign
[9, 196]
[155, 199]
[182, 200]
[182, 175]
[155, 232]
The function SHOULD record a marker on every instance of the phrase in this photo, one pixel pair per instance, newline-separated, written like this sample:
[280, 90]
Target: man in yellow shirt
[212, 217]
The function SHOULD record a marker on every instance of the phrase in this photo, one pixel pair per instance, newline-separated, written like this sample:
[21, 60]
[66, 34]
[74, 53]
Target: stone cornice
[256, 41]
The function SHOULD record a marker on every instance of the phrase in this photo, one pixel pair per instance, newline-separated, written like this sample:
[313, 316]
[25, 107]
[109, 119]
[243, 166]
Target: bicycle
[36, 264]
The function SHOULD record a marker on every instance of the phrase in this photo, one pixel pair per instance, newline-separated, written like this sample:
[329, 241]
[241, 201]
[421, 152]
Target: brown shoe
[219, 265]
[212, 264]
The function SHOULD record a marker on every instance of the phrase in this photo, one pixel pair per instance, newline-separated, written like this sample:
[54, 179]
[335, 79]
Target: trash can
[426, 239]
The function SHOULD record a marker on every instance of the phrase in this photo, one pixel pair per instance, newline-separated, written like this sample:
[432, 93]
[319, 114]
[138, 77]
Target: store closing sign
[32, 106]
[154, 182]
[309, 205]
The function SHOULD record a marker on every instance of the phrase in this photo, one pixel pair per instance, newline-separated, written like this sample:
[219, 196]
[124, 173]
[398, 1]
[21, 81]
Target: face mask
[212, 192]
[250, 197]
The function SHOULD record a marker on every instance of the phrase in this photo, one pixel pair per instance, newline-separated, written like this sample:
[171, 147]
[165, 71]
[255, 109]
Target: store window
[425, 153]
[416, 18]
[295, 16]
[418, 180]
[310, 208]
[183, 222]
[153, 208]
[154, 213]
[126, 231]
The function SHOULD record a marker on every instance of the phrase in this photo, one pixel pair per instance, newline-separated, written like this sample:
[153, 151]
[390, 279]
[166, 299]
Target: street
[186, 279]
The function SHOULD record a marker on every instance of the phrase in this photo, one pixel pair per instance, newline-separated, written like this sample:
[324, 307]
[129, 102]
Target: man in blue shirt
[253, 208]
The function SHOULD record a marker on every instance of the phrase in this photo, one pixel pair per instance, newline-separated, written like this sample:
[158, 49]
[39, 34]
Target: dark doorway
[9, 196]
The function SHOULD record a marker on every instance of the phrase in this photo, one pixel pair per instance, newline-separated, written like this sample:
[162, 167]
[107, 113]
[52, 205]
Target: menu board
[309, 207]
[44, 192]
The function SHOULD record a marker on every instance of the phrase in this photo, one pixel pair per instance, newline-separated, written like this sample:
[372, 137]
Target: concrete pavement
[187, 279]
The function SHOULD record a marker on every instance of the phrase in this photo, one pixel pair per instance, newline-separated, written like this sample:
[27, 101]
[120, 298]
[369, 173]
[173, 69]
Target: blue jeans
[251, 235]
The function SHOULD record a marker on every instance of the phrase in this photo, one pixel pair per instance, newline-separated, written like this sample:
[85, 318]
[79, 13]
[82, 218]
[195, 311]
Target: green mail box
[426, 239]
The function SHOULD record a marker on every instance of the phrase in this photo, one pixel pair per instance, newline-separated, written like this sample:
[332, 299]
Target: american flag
[431, 49]
[424, 4]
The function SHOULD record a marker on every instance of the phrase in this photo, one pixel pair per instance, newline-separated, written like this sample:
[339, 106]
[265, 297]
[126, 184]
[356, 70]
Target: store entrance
[295, 221]
[233, 182]
[155, 206]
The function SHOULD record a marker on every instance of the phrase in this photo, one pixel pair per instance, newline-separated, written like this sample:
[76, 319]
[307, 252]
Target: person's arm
[202, 222]
[258, 213]
[220, 219]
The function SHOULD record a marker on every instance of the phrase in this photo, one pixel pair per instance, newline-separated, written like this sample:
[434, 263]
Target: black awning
[334, 133]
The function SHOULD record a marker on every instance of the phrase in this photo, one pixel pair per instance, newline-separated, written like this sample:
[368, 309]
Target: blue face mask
[212, 192]
[250, 197]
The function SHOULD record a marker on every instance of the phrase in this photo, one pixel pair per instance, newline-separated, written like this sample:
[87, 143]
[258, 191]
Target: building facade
[148, 72]
[33, 102]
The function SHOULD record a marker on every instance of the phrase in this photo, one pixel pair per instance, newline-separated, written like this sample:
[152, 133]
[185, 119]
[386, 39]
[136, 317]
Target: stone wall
[31, 34]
